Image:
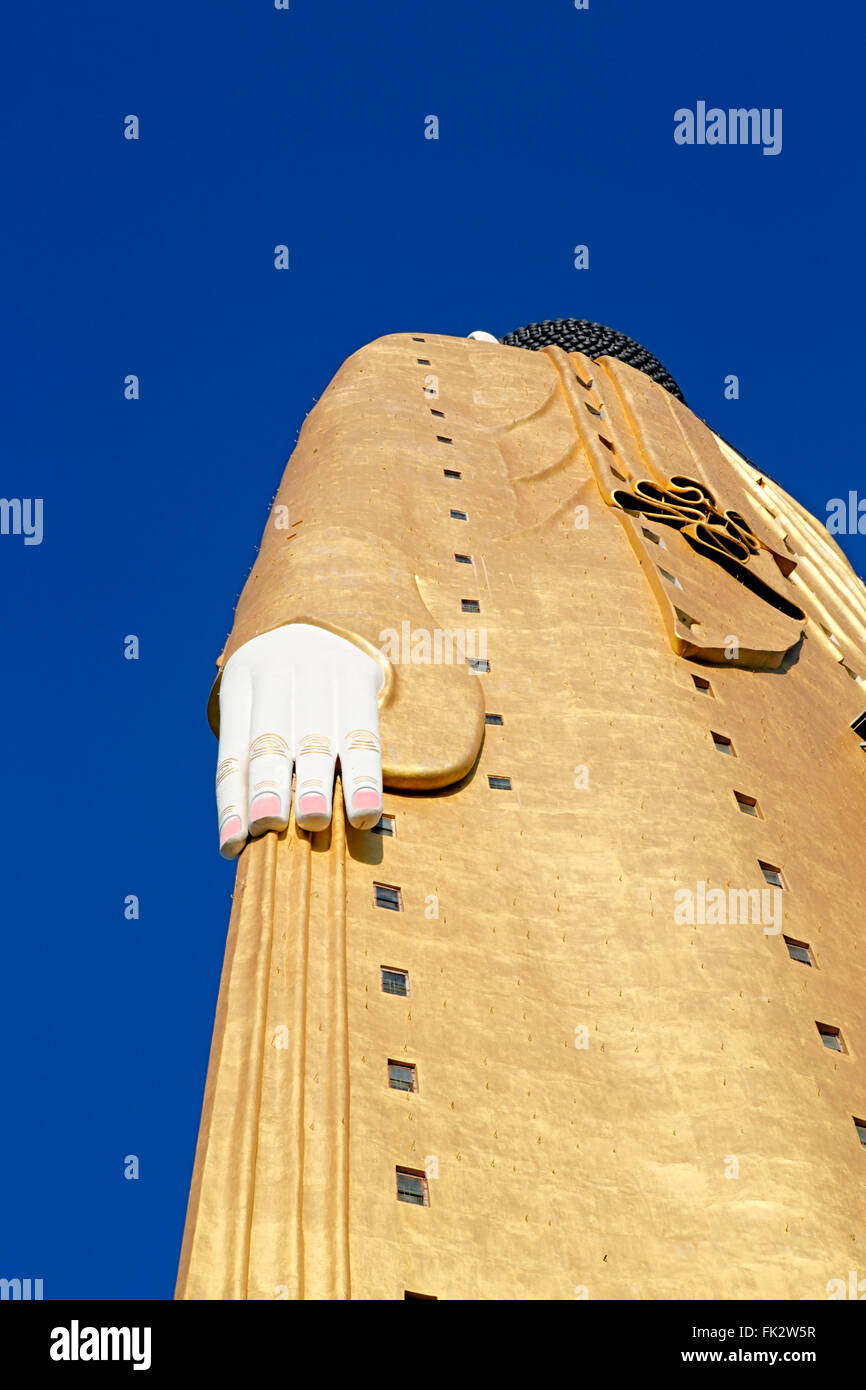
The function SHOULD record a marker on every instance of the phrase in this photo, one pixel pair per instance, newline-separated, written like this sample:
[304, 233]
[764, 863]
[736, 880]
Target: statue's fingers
[231, 774]
[314, 744]
[360, 754]
[270, 753]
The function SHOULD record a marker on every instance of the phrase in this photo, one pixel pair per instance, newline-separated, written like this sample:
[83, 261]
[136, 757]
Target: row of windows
[799, 951]
[403, 1076]
[685, 618]
[745, 803]
[468, 605]
[454, 473]
[412, 1184]
[386, 896]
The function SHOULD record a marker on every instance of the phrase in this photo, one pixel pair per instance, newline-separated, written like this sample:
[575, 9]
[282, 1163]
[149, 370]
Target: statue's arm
[337, 564]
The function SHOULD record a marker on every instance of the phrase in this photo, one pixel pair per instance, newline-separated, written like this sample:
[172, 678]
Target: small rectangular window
[772, 874]
[671, 578]
[451, 473]
[443, 439]
[412, 1187]
[860, 1126]
[422, 361]
[686, 619]
[470, 605]
[478, 664]
[463, 559]
[385, 825]
[723, 743]
[859, 725]
[748, 805]
[799, 950]
[402, 1076]
[831, 1037]
[656, 540]
[459, 516]
[493, 719]
[419, 340]
[502, 784]
[395, 981]
[702, 685]
[424, 1297]
[440, 413]
[388, 897]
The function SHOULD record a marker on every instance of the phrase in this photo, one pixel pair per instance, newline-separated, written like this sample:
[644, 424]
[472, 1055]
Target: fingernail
[231, 828]
[312, 804]
[268, 804]
[366, 801]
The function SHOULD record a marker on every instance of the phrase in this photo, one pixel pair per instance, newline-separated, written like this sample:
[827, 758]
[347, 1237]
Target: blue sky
[155, 257]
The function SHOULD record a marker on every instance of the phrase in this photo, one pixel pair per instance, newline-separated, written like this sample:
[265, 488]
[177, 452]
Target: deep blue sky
[306, 127]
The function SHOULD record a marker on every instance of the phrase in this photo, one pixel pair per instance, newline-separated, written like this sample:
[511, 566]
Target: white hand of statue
[301, 696]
